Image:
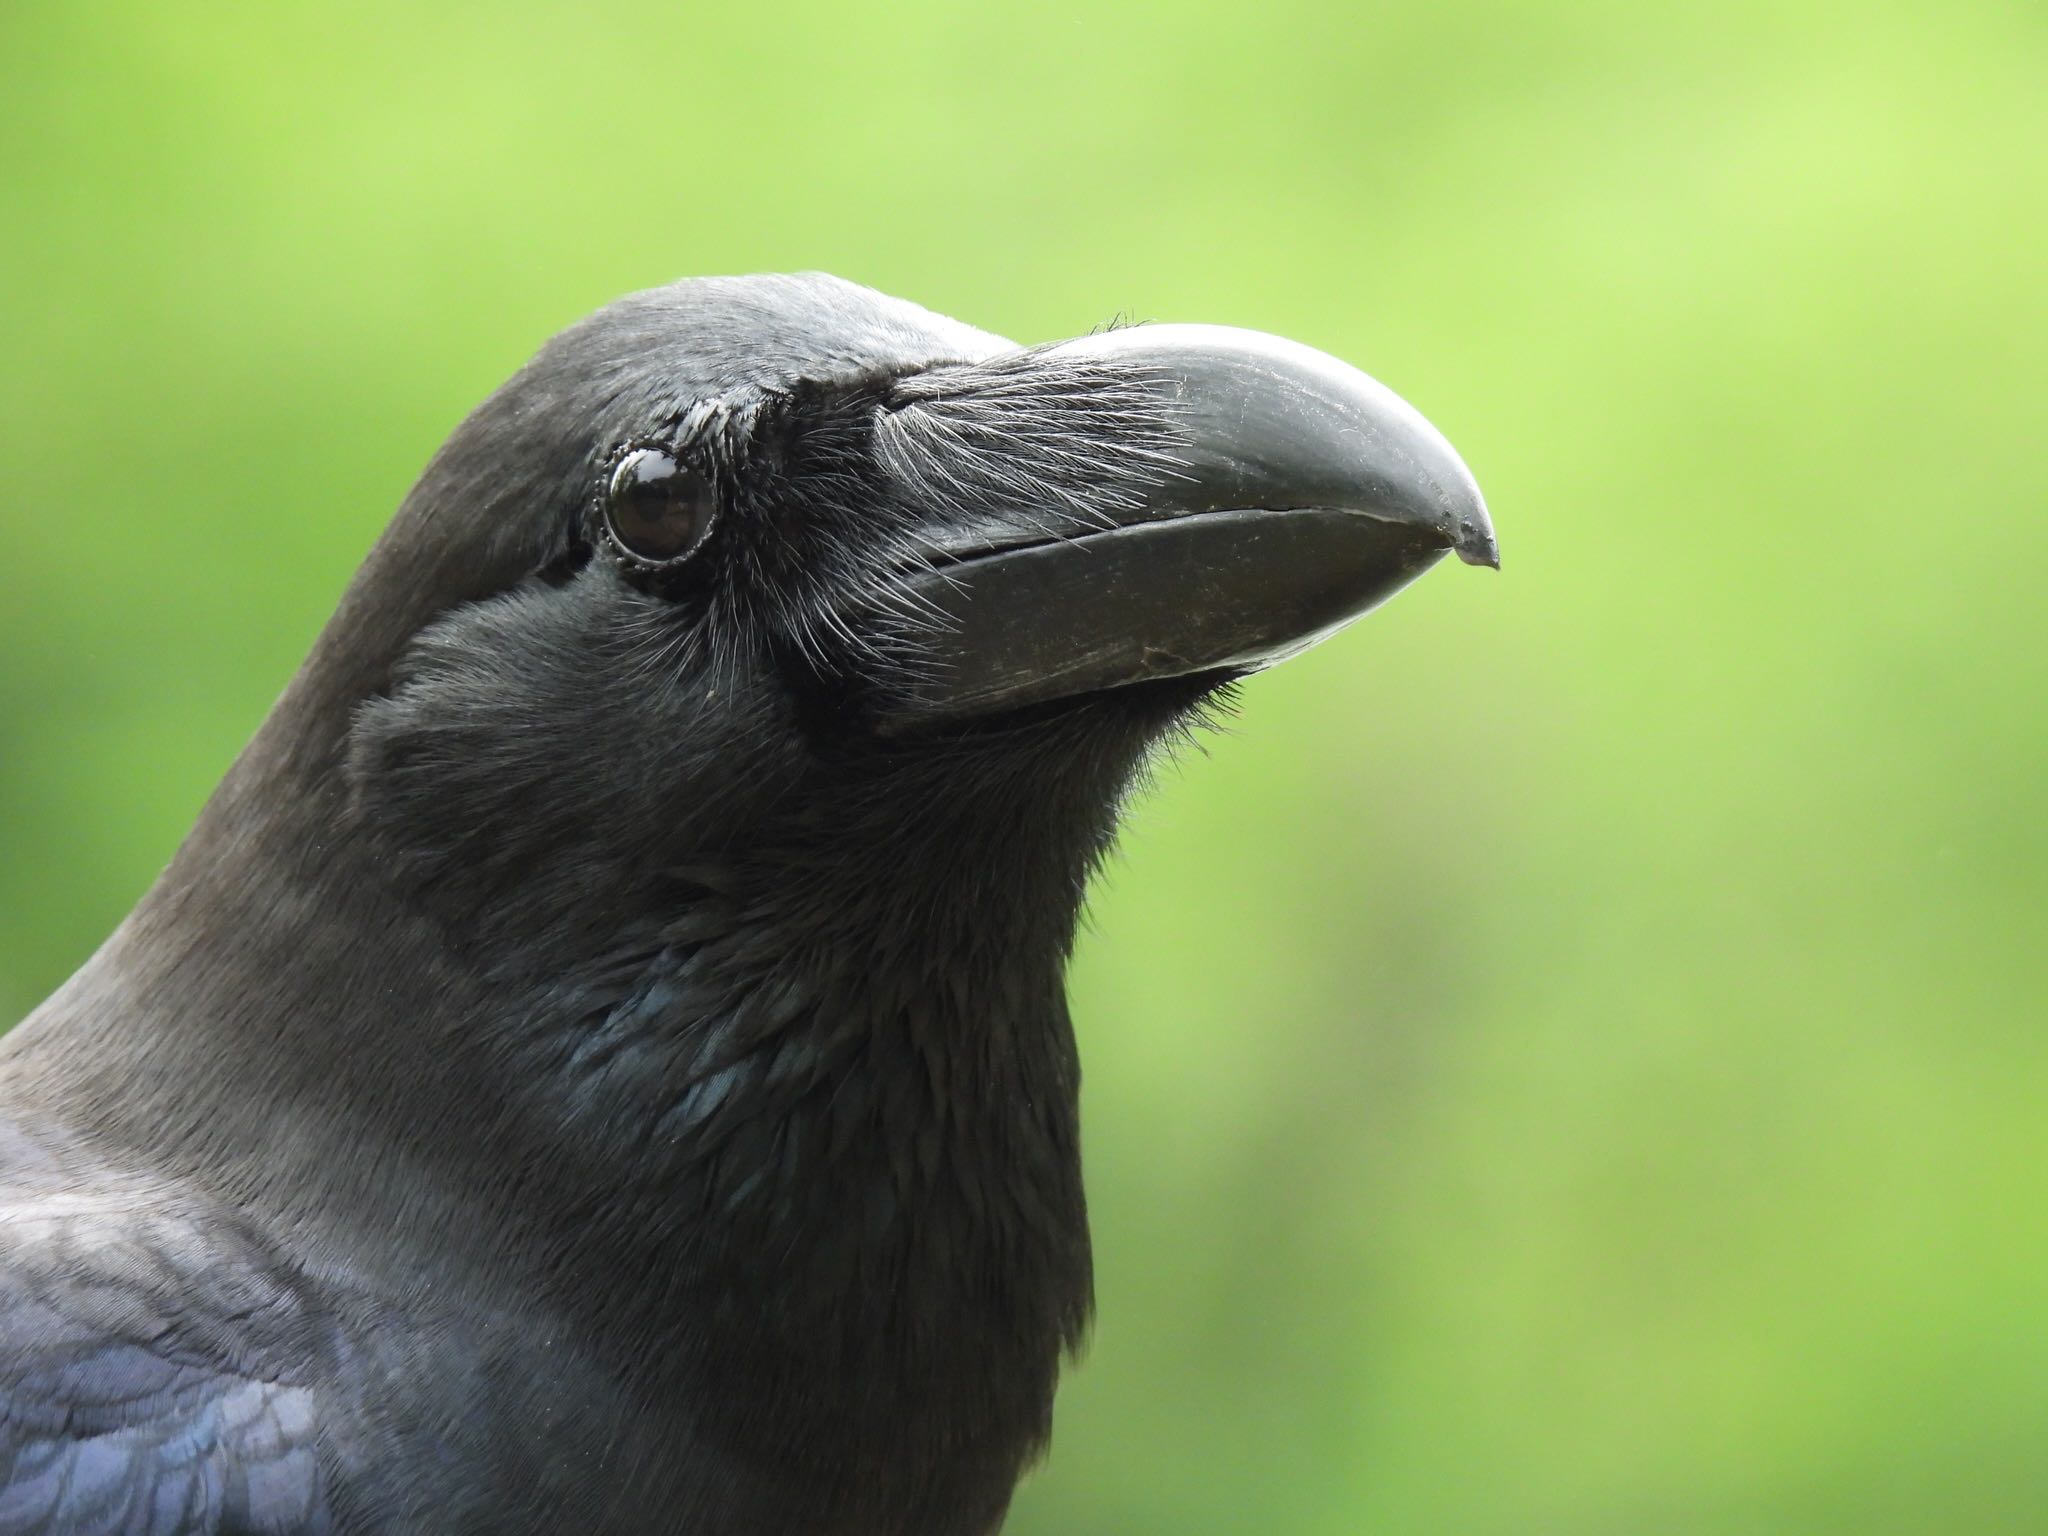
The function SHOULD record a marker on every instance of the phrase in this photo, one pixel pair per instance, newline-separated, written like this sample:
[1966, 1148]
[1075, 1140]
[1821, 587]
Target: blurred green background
[1572, 1059]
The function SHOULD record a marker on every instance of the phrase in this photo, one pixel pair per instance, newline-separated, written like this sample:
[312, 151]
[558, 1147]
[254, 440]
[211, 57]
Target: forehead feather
[707, 336]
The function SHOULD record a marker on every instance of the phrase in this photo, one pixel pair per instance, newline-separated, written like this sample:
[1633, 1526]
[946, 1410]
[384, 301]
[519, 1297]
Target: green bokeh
[1573, 1059]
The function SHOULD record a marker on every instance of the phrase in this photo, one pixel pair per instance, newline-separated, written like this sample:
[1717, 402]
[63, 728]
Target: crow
[600, 1061]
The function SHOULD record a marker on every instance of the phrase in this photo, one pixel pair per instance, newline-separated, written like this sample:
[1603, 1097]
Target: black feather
[574, 1077]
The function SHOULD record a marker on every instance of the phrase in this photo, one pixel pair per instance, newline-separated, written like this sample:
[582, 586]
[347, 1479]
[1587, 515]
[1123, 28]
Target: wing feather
[157, 1377]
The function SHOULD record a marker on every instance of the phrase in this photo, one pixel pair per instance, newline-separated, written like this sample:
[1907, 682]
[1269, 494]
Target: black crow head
[647, 909]
[784, 576]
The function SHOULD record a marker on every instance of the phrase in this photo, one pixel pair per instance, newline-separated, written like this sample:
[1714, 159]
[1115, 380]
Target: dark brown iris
[656, 507]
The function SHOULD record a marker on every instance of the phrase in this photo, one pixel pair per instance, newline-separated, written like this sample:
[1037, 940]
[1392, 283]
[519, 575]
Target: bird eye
[656, 508]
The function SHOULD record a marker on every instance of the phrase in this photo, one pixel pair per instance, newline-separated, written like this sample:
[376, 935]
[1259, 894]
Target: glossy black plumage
[579, 1074]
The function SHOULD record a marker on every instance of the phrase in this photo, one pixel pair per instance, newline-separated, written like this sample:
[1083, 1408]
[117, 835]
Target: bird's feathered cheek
[534, 749]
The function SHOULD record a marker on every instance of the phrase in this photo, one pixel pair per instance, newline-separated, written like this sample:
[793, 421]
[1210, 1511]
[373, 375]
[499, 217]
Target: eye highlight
[657, 510]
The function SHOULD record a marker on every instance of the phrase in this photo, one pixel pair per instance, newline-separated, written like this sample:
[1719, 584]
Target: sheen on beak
[1294, 494]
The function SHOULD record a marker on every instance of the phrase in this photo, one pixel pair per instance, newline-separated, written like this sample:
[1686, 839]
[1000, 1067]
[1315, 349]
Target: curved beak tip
[1465, 518]
[1475, 543]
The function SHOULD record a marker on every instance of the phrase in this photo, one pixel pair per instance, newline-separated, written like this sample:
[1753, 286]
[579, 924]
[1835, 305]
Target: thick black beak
[1278, 494]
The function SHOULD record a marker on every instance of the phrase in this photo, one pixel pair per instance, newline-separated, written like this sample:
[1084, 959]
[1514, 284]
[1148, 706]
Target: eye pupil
[657, 508]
